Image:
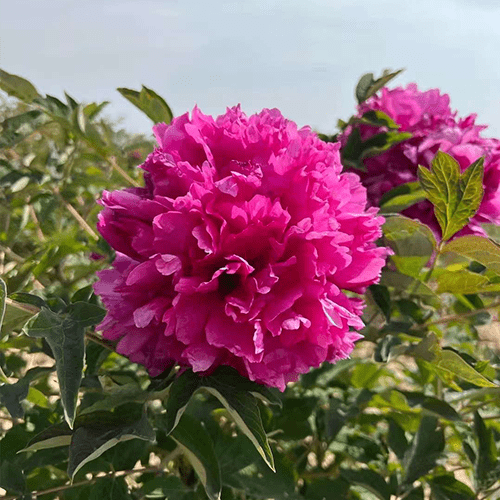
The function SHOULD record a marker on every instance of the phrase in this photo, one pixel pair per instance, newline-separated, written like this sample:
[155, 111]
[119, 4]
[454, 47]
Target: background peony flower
[427, 115]
[238, 251]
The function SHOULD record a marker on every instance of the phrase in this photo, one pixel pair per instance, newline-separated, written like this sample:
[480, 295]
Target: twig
[453, 317]
[81, 221]
[87, 482]
[39, 231]
[12, 255]
[98, 340]
[114, 164]
[22, 306]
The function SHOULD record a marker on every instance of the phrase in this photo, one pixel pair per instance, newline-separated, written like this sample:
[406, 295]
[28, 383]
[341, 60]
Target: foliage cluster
[414, 414]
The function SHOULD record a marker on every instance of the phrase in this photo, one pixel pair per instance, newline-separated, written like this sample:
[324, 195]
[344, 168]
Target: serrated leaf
[90, 442]
[65, 337]
[478, 249]
[150, 103]
[455, 197]
[197, 445]
[17, 87]
[425, 450]
[369, 480]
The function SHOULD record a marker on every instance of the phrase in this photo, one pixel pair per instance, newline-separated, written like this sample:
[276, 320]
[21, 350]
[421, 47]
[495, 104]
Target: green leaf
[321, 489]
[128, 393]
[426, 448]
[65, 336]
[446, 487]
[377, 118]
[197, 445]
[405, 283]
[17, 128]
[413, 243]
[401, 197]
[52, 437]
[17, 87]
[293, 419]
[396, 439]
[86, 314]
[455, 197]
[170, 487]
[449, 361]
[11, 395]
[180, 393]
[236, 393]
[367, 85]
[110, 488]
[258, 481]
[150, 103]
[381, 142]
[93, 109]
[462, 281]
[436, 407]
[30, 299]
[11, 477]
[17, 314]
[486, 457]
[478, 249]
[91, 441]
[382, 298]
[244, 410]
[369, 480]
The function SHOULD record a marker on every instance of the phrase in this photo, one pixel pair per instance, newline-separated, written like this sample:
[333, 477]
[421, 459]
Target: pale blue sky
[303, 57]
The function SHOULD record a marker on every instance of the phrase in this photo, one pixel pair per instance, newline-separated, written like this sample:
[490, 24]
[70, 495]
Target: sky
[303, 57]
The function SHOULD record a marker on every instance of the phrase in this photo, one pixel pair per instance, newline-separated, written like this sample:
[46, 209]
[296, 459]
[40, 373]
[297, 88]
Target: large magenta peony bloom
[239, 250]
[428, 117]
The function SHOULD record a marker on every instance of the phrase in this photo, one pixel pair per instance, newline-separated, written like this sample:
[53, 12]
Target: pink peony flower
[428, 117]
[238, 251]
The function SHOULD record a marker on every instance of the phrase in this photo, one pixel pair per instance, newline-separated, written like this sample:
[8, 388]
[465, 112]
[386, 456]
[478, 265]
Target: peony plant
[430, 126]
[229, 330]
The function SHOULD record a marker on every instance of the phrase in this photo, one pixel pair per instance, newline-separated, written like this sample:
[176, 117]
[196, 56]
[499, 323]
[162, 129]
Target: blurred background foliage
[414, 414]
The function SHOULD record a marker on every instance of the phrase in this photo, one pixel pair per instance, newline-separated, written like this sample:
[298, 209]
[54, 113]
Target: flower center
[228, 283]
